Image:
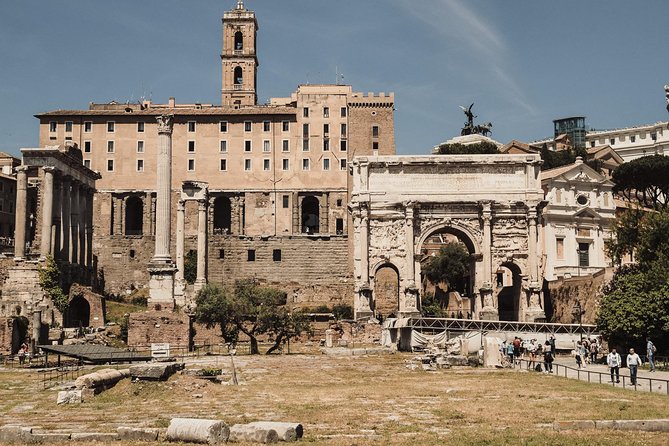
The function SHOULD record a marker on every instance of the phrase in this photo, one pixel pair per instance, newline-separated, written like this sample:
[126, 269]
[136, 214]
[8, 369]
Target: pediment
[587, 213]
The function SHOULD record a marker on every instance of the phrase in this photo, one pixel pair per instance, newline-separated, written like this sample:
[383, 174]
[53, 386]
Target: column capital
[49, 169]
[22, 169]
[165, 123]
[202, 204]
[181, 205]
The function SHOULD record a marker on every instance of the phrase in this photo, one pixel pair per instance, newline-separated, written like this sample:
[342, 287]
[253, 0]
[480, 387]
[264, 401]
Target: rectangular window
[247, 126]
[375, 131]
[305, 145]
[326, 144]
[305, 112]
[305, 130]
[87, 164]
[276, 255]
[88, 126]
[53, 126]
[339, 202]
[191, 146]
[265, 164]
[285, 164]
[68, 126]
[343, 112]
[592, 143]
[342, 164]
[632, 138]
[87, 147]
[583, 254]
[140, 146]
[224, 165]
[110, 146]
[326, 163]
[140, 127]
[223, 147]
[342, 145]
[559, 248]
[251, 255]
[266, 126]
[111, 126]
[339, 226]
[223, 126]
[285, 145]
[343, 130]
[266, 146]
[653, 136]
[221, 254]
[375, 146]
[285, 126]
[191, 126]
[326, 112]
[247, 146]
[110, 165]
[247, 164]
[612, 141]
[285, 201]
[326, 129]
[305, 163]
[140, 165]
[191, 165]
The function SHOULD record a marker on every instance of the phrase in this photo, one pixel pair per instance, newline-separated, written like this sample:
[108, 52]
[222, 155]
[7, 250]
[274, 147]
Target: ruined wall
[562, 294]
[95, 301]
[159, 327]
[6, 329]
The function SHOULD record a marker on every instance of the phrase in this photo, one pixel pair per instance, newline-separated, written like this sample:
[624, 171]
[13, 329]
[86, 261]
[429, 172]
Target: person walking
[577, 354]
[594, 349]
[650, 351]
[509, 352]
[551, 342]
[613, 361]
[633, 363]
[548, 358]
[583, 352]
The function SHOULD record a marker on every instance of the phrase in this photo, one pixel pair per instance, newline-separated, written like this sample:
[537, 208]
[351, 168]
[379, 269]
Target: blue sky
[523, 63]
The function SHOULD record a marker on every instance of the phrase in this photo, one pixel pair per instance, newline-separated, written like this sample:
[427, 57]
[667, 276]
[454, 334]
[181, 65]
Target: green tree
[430, 306]
[480, 148]
[448, 265]
[49, 280]
[190, 267]
[644, 180]
[252, 310]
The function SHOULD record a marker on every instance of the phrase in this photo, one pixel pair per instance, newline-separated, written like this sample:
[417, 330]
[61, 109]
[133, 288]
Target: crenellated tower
[239, 60]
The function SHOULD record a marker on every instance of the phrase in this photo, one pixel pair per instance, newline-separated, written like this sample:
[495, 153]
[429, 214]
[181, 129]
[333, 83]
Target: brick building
[277, 175]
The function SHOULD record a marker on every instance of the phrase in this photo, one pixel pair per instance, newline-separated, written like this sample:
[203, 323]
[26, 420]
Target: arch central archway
[79, 312]
[508, 286]
[386, 291]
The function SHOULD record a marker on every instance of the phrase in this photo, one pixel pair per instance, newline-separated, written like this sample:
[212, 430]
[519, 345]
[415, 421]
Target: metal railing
[480, 325]
[58, 375]
[593, 376]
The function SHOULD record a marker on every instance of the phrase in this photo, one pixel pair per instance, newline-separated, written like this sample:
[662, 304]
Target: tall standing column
[410, 304]
[534, 312]
[65, 219]
[89, 228]
[47, 210]
[83, 212]
[161, 269]
[21, 212]
[201, 279]
[488, 310]
[179, 284]
[74, 223]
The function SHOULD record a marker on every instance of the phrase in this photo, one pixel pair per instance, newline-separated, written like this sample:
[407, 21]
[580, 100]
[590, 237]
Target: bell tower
[238, 59]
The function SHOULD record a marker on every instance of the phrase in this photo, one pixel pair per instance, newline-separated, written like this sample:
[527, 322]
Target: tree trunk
[254, 345]
[277, 343]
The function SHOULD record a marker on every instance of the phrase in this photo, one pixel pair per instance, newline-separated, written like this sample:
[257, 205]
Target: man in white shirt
[613, 361]
[633, 363]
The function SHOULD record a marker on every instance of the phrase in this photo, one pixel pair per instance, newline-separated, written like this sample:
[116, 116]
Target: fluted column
[65, 219]
[534, 312]
[179, 276]
[21, 212]
[89, 227]
[201, 279]
[487, 306]
[83, 212]
[47, 210]
[74, 223]
[164, 186]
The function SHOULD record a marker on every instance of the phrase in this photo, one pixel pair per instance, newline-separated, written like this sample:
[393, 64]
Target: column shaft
[180, 240]
[47, 210]
[89, 228]
[21, 212]
[201, 279]
[65, 220]
[164, 186]
[532, 246]
[83, 212]
[74, 223]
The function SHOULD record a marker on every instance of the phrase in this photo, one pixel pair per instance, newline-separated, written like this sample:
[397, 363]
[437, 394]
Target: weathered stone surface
[15, 434]
[285, 431]
[69, 397]
[253, 434]
[90, 437]
[193, 430]
[456, 360]
[491, 352]
[50, 437]
[102, 379]
[155, 371]
[137, 434]
[661, 425]
[573, 425]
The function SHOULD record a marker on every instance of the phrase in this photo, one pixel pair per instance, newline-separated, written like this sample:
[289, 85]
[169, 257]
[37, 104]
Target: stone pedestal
[488, 312]
[161, 286]
[534, 312]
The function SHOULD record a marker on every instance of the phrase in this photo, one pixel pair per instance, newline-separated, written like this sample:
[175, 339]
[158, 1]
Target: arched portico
[386, 290]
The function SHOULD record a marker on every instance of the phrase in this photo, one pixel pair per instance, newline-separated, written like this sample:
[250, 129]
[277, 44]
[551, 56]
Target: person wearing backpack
[650, 350]
[613, 360]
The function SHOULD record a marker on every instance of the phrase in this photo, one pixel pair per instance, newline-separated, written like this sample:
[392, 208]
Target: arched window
[239, 77]
[310, 212]
[222, 215]
[134, 216]
[239, 41]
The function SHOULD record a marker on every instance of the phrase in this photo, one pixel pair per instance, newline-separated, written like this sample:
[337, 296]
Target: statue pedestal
[489, 314]
[535, 313]
[161, 286]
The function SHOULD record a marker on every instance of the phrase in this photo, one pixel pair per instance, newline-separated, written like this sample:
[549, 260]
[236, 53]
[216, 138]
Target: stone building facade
[277, 175]
[7, 201]
[403, 207]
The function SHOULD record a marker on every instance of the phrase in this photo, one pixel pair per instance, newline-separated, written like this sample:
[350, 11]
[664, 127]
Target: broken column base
[161, 286]
[535, 315]
[489, 314]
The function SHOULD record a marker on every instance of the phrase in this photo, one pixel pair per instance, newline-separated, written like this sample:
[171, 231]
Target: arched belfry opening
[508, 288]
[239, 41]
[456, 297]
[222, 215]
[386, 291]
[134, 216]
[239, 76]
[310, 215]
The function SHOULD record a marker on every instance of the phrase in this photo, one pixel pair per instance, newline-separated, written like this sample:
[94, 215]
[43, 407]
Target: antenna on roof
[339, 77]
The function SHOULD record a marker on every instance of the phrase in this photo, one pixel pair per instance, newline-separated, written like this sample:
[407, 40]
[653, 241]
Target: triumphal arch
[403, 207]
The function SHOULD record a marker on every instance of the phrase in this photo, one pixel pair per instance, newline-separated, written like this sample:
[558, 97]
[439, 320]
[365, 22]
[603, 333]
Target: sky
[522, 63]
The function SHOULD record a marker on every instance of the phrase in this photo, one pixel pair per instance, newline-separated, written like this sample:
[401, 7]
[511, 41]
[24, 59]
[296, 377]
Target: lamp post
[577, 312]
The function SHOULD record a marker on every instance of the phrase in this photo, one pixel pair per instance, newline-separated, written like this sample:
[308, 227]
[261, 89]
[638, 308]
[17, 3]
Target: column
[179, 284]
[90, 193]
[65, 219]
[21, 214]
[364, 243]
[487, 308]
[164, 186]
[534, 312]
[201, 278]
[55, 228]
[83, 211]
[74, 223]
[47, 210]
[411, 292]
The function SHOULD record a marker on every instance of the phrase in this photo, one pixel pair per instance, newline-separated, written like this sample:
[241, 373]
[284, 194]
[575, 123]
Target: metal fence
[58, 375]
[593, 376]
